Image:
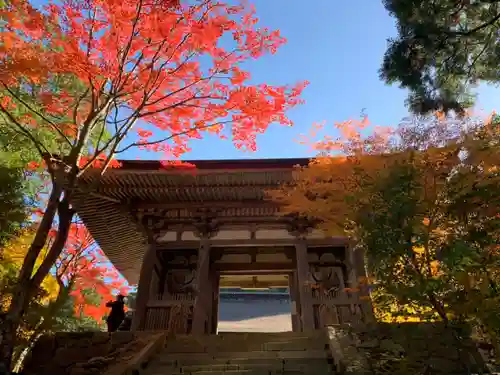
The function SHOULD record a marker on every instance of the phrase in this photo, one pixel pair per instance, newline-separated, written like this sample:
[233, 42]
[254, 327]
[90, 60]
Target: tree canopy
[443, 50]
[422, 202]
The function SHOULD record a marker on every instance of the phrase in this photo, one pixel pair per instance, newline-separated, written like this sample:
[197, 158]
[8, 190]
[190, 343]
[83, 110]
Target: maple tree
[104, 76]
[73, 296]
[422, 202]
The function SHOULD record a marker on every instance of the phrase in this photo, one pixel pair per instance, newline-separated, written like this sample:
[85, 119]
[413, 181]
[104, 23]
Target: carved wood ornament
[327, 281]
[176, 285]
[205, 223]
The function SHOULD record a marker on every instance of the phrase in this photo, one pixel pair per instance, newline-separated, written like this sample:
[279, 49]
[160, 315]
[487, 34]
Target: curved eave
[104, 202]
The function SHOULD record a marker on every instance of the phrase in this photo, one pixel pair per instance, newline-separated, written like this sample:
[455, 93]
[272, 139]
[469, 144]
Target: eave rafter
[125, 207]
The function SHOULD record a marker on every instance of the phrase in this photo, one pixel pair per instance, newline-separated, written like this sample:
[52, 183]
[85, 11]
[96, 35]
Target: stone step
[249, 372]
[311, 371]
[273, 335]
[231, 356]
[243, 353]
[241, 362]
[229, 346]
[320, 364]
[241, 340]
[252, 336]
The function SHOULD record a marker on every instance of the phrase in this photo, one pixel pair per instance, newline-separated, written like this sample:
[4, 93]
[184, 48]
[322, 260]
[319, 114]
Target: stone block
[120, 339]
[100, 338]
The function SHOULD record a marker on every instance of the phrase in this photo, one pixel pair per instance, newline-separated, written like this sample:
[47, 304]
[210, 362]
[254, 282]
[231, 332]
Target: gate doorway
[254, 303]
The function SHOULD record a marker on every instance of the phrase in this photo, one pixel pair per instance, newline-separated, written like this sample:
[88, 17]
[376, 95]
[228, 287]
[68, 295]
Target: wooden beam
[333, 242]
[105, 197]
[251, 284]
[208, 204]
[136, 190]
[253, 267]
[254, 272]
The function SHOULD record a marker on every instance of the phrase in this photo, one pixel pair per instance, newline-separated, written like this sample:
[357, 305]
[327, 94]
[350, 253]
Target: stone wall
[83, 353]
[410, 348]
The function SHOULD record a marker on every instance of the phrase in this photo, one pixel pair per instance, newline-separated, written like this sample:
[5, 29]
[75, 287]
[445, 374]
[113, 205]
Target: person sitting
[117, 313]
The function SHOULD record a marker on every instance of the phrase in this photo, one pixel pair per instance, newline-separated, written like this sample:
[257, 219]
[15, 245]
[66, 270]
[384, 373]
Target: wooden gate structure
[177, 231]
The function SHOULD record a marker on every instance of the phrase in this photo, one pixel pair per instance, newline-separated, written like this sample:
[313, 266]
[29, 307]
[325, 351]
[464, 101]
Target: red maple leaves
[83, 267]
[173, 67]
[87, 80]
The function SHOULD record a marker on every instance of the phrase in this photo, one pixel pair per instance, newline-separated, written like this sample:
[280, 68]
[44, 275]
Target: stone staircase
[287, 353]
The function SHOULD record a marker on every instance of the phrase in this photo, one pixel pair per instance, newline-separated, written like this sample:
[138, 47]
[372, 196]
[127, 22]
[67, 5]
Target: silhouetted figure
[117, 314]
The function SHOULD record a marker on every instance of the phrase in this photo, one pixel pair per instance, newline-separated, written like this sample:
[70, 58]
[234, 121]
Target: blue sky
[336, 45]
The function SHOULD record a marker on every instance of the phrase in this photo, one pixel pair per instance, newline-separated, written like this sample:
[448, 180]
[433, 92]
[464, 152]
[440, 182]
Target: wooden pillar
[306, 306]
[208, 301]
[143, 288]
[292, 286]
[215, 303]
[162, 278]
[202, 287]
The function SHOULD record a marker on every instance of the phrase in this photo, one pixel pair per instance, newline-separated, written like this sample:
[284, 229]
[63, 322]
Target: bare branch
[178, 104]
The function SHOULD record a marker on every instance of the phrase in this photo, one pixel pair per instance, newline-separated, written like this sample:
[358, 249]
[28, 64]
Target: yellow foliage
[418, 249]
[434, 265]
[14, 253]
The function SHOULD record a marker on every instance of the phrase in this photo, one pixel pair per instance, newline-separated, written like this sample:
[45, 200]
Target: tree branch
[476, 29]
[38, 114]
[204, 127]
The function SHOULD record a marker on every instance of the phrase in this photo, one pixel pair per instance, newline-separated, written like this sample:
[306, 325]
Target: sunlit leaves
[83, 268]
[166, 65]
[77, 78]
[423, 203]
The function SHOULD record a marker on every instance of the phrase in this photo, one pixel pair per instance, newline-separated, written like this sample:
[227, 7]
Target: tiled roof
[107, 204]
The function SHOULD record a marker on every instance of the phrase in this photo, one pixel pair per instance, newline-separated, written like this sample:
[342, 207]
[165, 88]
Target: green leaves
[13, 207]
[443, 49]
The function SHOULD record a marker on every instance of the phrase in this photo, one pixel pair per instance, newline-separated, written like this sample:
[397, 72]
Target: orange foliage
[161, 61]
[83, 267]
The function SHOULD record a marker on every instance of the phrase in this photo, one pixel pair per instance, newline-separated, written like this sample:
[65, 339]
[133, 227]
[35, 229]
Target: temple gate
[177, 232]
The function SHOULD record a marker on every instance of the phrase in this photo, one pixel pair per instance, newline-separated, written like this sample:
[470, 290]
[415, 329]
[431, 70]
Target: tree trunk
[64, 225]
[10, 323]
[26, 284]
[438, 307]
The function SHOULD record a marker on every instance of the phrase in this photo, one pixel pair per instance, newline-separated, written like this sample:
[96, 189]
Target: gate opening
[254, 303]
